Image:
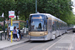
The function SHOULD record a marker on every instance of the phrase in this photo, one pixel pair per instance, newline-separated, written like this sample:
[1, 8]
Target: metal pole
[11, 31]
[0, 36]
[36, 6]
[4, 28]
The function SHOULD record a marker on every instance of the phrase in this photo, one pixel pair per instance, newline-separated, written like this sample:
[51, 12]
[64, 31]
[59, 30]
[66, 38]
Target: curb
[15, 44]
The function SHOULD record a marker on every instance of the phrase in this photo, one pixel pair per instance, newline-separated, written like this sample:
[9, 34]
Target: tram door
[50, 27]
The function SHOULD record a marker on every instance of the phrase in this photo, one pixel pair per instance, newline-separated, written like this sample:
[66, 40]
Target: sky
[73, 6]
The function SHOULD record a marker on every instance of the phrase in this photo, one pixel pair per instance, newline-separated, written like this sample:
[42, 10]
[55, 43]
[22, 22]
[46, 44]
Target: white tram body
[43, 26]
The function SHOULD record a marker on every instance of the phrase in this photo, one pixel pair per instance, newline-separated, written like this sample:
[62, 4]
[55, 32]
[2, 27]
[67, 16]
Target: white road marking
[38, 46]
[71, 47]
[54, 44]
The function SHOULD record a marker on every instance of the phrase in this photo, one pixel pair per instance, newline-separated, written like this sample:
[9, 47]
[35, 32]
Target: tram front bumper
[37, 34]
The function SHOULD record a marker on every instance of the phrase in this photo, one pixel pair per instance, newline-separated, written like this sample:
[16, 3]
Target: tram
[43, 26]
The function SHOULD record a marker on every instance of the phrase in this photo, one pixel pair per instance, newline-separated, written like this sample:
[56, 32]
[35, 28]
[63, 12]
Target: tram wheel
[53, 37]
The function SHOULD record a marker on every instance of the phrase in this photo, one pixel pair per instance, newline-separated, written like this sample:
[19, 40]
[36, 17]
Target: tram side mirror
[29, 21]
[26, 21]
[46, 17]
[45, 21]
[29, 25]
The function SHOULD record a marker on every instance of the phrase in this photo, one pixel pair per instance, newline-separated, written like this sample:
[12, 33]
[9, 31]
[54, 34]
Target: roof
[49, 15]
[18, 20]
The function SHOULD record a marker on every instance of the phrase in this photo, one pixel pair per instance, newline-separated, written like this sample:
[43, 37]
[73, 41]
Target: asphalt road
[64, 42]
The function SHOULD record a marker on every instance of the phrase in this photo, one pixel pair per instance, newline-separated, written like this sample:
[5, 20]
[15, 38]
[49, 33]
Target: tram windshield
[38, 24]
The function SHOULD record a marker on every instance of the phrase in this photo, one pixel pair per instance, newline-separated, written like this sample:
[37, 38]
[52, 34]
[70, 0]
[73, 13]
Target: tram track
[38, 45]
[52, 43]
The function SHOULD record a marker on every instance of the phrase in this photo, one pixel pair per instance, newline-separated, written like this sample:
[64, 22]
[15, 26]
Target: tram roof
[49, 15]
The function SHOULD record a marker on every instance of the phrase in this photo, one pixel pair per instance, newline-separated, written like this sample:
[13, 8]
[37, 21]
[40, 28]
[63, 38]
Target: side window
[57, 25]
[45, 24]
[50, 24]
[53, 26]
[60, 26]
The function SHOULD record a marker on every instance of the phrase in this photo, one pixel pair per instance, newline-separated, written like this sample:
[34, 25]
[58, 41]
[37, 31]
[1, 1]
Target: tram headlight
[45, 33]
[29, 33]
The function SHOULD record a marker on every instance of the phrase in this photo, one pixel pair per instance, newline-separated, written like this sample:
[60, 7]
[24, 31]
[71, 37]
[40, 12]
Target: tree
[59, 8]
[5, 6]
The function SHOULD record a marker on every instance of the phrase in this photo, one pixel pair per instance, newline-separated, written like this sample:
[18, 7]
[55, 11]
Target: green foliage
[5, 6]
[22, 25]
[59, 8]
[1, 27]
[5, 25]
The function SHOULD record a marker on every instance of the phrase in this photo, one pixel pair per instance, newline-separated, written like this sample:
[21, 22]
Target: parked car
[74, 28]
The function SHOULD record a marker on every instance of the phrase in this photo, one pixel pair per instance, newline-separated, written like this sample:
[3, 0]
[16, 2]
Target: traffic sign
[11, 28]
[11, 14]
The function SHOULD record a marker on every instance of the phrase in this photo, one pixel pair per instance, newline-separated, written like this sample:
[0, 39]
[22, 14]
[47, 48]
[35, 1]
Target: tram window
[50, 25]
[45, 24]
[39, 26]
[38, 23]
[58, 25]
[54, 26]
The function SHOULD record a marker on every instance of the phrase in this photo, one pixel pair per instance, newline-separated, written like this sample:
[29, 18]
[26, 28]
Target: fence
[2, 34]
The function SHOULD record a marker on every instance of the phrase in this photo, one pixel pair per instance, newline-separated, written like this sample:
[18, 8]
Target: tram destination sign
[37, 17]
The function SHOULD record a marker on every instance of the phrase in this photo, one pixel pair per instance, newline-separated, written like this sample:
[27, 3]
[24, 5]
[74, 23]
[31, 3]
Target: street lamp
[17, 15]
[4, 24]
[36, 6]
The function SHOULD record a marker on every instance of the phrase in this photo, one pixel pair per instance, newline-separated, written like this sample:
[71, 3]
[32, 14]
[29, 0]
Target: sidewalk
[6, 43]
